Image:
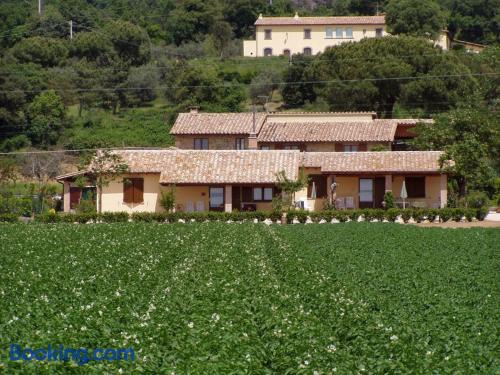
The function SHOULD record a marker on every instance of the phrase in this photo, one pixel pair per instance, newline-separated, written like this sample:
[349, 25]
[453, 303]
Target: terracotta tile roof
[216, 123]
[351, 20]
[359, 131]
[374, 162]
[213, 167]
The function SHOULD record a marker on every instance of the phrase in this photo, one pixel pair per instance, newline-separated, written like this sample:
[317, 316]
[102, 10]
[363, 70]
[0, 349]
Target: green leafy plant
[167, 199]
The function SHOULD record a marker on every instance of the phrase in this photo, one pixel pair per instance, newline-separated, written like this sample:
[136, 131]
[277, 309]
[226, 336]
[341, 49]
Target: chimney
[296, 15]
[260, 16]
[193, 109]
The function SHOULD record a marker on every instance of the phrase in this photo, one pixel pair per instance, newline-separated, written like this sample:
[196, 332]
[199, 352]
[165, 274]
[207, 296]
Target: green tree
[40, 50]
[222, 34]
[423, 18]
[372, 75]
[471, 138]
[45, 118]
[297, 94]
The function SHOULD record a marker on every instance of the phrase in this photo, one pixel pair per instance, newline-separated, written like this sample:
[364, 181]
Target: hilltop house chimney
[193, 109]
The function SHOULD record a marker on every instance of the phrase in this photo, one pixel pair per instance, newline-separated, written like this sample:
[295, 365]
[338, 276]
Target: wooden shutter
[128, 190]
[339, 147]
[363, 147]
[138, 190]
[415, 186]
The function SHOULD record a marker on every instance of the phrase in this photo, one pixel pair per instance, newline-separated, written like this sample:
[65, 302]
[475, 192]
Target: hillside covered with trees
[131, 66]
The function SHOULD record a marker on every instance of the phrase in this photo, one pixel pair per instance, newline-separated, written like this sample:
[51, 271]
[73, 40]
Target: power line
[230, 84]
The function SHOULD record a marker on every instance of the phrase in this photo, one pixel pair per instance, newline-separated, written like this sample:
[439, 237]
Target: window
[290, 147]
[216, 198]
[348, 32]
[307, 51]
[286, 52]
[366, 190]
[307, 33]
[268, 52]
[133, 190]
[240, 143]
[379, 33]
[415, 187]
[339, 33]
[351, 148]
[319, 181]
[267, 34]
[201, 143]
[328, 33]
[265, 148]
[262, 194]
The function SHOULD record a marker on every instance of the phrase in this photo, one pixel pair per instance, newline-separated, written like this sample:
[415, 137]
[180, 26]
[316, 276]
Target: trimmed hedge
[418, 215]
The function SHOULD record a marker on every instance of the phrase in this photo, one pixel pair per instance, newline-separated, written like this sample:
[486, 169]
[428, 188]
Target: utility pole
[71, 29]
[40, 7]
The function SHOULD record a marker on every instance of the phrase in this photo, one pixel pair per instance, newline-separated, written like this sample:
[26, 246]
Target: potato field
[214, 298]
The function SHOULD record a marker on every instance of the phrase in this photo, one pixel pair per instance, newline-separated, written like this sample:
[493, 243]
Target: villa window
[267, 34]
[268, 52]
[307, 51]
[240, 143]
[263, 194]
[351, 148]
[379, 33]
[286, 53]
[415, 187]
[201, 143]
[348, 32]
[328, 33]
[307, 33]
[339, 33]
[265, 147]
[133, 190]
[216, 197]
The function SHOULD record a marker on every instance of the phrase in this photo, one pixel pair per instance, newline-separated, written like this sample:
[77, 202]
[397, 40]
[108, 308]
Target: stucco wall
[112, 195]
[292, 38]
[432, 190]
[215, 142]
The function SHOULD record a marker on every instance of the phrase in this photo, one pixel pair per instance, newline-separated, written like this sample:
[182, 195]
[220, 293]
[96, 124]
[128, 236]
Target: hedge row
[9, 218]
[418, 215]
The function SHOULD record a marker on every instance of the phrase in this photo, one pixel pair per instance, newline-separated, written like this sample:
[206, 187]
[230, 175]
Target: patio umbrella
[404, 194]
[313, 191]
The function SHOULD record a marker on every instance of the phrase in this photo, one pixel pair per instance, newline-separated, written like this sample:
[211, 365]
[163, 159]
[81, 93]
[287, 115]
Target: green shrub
[477, 199]
[8, 218]
[389, 199]
[470, 213]
[420, 214]
[446, 214]
[432, 214]
[114, 217]
[85, 206]
[457, 214]
[407, 214]
[392, 214]
[167, 200]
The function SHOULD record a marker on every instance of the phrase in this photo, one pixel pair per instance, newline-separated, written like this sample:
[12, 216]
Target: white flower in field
[331, 348]
[190, 324]
[120, 370]
[83, 328]
[117, 293]
[100, 313]
[446, 358]
[428, 353]
[394, 338]
[215, 317]
[247, 357]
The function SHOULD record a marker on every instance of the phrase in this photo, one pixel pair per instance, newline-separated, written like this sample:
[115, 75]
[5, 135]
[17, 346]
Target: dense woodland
[131, 66]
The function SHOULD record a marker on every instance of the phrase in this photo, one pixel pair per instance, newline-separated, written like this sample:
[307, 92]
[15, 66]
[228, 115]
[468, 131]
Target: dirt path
[454, 224]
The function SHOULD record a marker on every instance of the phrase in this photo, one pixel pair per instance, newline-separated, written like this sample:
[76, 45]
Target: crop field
[215, 298]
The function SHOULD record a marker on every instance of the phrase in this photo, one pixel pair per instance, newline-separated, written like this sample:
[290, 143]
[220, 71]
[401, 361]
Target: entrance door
[216, 199]
[75, 193]
[378, 194]
[236, 198]
[365, 193]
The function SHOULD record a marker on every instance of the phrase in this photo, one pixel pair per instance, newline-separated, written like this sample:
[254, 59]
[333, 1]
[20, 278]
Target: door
[379, 191]
[236, 198]
[365, 193]
[75, 194]
[216, 198]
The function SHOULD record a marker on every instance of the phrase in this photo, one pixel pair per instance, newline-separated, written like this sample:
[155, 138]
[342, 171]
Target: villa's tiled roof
[359, 131]
[213, 167]
[351, 20]
[217, 123]
[374, 162]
